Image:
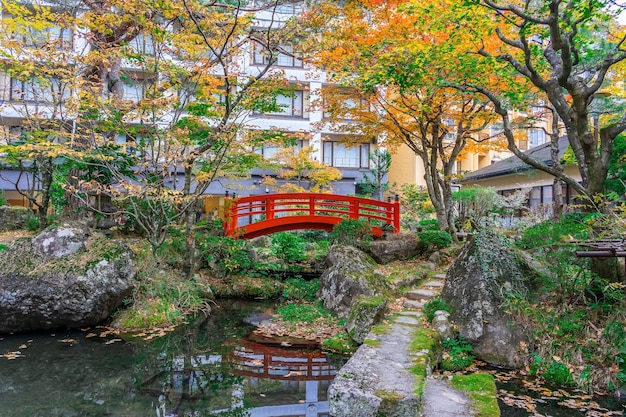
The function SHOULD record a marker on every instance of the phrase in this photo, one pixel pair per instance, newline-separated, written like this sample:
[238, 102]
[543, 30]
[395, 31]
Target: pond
[522, 396]
[201, 369]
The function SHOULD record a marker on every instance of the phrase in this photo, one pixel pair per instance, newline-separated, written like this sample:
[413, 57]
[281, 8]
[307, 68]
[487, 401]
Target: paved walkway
[441, 400]
[382, 368]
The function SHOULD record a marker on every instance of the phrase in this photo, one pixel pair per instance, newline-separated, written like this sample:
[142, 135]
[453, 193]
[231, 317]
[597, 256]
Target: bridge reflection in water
[258, 380]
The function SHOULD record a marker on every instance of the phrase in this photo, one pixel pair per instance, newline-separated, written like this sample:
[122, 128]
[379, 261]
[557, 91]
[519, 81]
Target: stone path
[377, 379]
[441, 400]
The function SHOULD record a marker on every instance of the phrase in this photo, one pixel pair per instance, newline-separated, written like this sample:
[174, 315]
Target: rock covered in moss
[365, 313]
[63, 278]
[402, 246]
[350, 274]
[477, 284]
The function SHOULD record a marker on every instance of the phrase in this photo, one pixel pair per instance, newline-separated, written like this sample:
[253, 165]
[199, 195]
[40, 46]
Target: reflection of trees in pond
[207, 367]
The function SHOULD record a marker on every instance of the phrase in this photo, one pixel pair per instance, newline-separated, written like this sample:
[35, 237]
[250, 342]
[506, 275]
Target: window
[135, 86]
[285, 56]
[291, 105]
[143, 44]
[496, 129]
[270, 151]
[536, 137]
[337, 154]
[289, 8]
[39, 90]
[450, 125]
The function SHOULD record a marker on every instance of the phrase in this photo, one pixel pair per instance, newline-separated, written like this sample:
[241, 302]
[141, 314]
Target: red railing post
[396, 214]
[269, 208]
[354, 209]
[311, 206]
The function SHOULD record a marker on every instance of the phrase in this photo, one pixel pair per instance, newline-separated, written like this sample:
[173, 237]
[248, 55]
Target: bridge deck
[255, 216]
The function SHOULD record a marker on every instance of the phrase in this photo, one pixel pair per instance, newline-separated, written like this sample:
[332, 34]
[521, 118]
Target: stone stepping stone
[410, 321]
[436, 284]
[421, 294]
[440, 276]
[413, 305]
[416, 314]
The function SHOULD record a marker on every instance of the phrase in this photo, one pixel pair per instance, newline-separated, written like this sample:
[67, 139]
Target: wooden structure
[259, 215]
[612, 248]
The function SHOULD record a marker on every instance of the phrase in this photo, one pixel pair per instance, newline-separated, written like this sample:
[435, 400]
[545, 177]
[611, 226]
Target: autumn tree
[393, 63]
[573, 52]
[37, 51]
[299, 172]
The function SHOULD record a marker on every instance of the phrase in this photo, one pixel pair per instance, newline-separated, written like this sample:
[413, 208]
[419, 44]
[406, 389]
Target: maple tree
[394, 63]
[301, 173]
[573, 53]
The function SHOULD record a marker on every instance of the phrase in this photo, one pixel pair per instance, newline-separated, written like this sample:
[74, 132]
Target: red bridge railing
[254, 216]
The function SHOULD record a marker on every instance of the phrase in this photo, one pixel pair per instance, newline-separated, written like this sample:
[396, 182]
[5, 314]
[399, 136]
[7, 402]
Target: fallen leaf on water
[90, 335]
[23, 346]
[112, 341]
[68, 341]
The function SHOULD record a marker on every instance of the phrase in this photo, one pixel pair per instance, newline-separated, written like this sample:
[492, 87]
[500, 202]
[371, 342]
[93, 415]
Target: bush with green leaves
[571, 226]
[428, 224]
[288, 247]
[457, 354]
[301, 289]
[32, 224]
[3, 201]
[435, 239]
[431, 306]
[226, 256]
[2, 247]
[351, 232]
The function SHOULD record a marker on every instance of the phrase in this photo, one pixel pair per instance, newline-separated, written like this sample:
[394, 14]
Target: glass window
[536, 137]
[143, 44]
[285, 56]
[290, 105]
[39, 90]
[337, 154]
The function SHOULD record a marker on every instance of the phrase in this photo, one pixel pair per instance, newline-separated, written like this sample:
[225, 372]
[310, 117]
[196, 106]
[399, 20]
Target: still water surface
[202, 369]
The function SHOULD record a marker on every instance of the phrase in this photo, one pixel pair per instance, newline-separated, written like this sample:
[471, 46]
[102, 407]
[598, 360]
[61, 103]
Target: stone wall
[13, 218]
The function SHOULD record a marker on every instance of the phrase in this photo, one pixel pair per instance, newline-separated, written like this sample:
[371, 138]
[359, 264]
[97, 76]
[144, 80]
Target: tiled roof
[513, 164]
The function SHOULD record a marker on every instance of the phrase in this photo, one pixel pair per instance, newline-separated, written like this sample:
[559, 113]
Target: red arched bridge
[259, 215]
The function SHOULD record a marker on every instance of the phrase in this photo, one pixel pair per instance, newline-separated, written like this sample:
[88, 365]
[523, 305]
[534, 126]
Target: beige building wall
[406, 167]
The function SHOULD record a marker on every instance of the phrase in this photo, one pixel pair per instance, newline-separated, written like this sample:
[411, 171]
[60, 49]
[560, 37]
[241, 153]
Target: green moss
[426, 346]
[481, 389]
[340, 344]
[382, 328]
[372, 342]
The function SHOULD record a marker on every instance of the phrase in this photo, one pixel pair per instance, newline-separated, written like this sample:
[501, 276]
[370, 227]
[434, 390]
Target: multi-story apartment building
[21, 99]
[299, 113]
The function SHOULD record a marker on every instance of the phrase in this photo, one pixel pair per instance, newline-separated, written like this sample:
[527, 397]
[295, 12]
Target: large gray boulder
[364, 313]
[66, 277]
[350, 274]
[401, 247]
[486, 271]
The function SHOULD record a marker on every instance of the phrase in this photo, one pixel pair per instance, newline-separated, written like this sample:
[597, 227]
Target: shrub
[435, 239]
[572, 225]
[2, 247]
[226, 256]
[428, 224]
[431, 306]
[351, 232]
[3, 201]
[32, 224]
[457, 354]
[288, 247]
[300, 289]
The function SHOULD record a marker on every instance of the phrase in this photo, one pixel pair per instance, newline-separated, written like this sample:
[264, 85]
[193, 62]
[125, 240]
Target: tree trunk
[46, 183]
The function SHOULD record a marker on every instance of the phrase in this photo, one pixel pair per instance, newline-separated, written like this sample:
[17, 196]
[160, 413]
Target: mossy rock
[364, 313]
